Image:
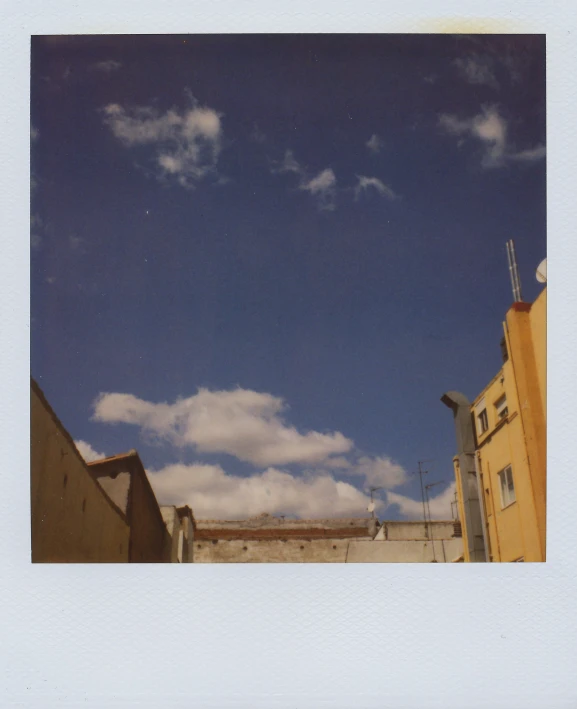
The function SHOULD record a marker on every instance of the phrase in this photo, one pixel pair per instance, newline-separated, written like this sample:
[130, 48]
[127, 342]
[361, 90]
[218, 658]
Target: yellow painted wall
[461, 508]
[72, 520]
[518, 530]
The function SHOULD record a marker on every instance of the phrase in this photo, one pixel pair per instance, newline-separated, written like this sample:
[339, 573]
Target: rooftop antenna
[421, 473]
[542, 271]
[514, 271]
[427, 488]
[371, 507]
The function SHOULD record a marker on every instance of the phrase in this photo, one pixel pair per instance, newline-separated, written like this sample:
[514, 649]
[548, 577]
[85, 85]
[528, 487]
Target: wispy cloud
[365, 184]
[186, 144]
[322, 186]
[256, 135]
[212, 493]
[288, 164]
[491, 130]
[530, 155]
[476, 69]
[375, 143]
[88, 452]
[35, 231]
[440, 505]
[107, 66]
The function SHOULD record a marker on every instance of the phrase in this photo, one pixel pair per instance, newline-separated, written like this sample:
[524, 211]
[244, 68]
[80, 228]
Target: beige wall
[410, 531]
[263, 551]
[150, 541]
[172, 522]
[443, 551]
[326, 551]
[72, 520]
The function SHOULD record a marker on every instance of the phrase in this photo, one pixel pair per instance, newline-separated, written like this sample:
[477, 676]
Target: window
[501, 408]
[507, 487]
[481, 417]
[483, 421]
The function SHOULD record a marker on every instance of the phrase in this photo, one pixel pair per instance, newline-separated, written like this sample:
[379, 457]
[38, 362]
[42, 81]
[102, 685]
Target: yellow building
[508, 465]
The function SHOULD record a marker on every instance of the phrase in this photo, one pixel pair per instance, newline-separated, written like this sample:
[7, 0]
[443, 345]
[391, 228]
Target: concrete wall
[187, 530]
[445, 550]
[172, 522]
[408, 531]
[326, 551]
[271, 551]
[150, 541]
[72, 520]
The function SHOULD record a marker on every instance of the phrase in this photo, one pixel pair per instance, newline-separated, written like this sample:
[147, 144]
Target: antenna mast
[514, 271]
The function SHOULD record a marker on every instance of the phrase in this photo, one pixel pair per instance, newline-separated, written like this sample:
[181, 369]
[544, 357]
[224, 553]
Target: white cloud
[477, 70]
[375, 144]
[243, 423]
[107, 66]
[35, 231]
[440, 506]
[88, 452]
[380, 472]
[530, 155]
[323, 187]
[213, 494]
[288, 164]
[186, 144]
[366, 183]
[490, 128]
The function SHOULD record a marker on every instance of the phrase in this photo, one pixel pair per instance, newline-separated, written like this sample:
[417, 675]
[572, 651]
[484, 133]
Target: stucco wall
[172, 522]
[263, 551]
[538, 316]
[150, 541]
[407, 531]
[446, 550]
[517, 530]
[326, 551]
[71, 519]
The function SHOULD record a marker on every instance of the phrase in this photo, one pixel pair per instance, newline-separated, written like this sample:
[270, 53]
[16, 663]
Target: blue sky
[261, 260]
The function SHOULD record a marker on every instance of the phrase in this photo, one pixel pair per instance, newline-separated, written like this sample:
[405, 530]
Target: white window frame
[482, 421]
[507, 486]
[501, 408]
[480, 410]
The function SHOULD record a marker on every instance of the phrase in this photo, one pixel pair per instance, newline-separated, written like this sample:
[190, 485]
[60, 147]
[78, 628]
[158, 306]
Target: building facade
[71, 519]
[507, 463]
[268, 539]
[124, 481]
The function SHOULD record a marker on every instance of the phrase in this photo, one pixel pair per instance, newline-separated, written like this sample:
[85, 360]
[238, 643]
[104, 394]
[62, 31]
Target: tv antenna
[514, 271]
[371, 507]
[541, 273]
[422, 472]
[427, 488]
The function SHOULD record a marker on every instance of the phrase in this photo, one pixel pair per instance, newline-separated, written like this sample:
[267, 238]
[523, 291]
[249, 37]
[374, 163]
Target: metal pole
[429, 511]
[514, 271]
[421, 473]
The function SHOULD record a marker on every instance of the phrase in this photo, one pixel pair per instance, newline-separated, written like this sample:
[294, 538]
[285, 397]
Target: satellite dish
[542, 271]
[371, 507]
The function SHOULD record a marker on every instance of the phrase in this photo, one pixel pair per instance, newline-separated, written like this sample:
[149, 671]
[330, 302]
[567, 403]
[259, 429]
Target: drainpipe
[474, 524]
[480, 492]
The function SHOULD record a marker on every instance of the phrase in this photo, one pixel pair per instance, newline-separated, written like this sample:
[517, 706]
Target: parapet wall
[72, 519]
